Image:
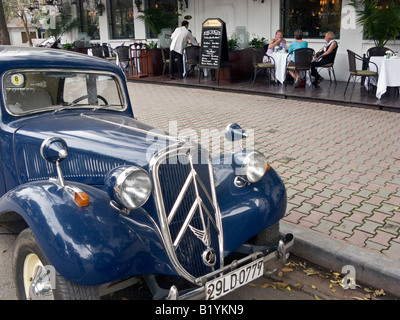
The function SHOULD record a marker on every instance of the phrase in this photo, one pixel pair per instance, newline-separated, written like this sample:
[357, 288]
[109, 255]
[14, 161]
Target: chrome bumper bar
[274, 253]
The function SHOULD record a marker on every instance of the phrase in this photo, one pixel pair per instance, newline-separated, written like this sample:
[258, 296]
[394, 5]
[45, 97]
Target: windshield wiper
[106, 106]
[65, 106]
[102, 107]
[72, 105]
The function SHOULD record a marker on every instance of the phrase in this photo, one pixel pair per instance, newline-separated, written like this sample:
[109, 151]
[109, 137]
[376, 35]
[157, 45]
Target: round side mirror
[54, 149]
[234, 132]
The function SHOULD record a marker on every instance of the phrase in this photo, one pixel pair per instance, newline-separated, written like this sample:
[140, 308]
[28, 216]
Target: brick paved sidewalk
[340, 164]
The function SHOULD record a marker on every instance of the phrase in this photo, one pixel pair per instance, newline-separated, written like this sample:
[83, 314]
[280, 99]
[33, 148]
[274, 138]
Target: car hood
[97, 143]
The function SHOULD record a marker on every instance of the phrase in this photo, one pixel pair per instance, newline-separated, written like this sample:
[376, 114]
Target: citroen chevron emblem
[203, 235]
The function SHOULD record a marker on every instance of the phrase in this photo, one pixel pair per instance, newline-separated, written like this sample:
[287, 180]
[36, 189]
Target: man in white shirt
[180, 38]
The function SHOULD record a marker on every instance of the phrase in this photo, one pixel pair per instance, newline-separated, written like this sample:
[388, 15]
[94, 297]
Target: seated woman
[324, 56]
[298, 43]
[278, 41]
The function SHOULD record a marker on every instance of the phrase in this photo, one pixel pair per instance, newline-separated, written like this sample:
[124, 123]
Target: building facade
[117, 22]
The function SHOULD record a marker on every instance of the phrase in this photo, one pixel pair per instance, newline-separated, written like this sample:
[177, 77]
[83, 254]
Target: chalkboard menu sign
[214, 45]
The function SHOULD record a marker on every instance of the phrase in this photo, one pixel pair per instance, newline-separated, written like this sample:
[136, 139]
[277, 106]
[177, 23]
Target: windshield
[34, 91]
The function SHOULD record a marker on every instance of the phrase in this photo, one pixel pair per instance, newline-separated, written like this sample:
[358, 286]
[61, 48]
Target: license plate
[221, 286]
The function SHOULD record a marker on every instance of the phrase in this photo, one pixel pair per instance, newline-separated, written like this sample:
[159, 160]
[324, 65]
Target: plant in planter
[380, 19]
[68, 46]
[151, 45]
[257, 42]
[233, 43]
[159, 17]
[239, 59]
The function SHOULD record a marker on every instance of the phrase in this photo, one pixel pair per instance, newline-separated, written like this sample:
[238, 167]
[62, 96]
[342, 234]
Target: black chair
[354, 72]
[165, 58]
[377, 51]
[303, 58]
[108, 51]
[373, 52]
[258, 64]
[329, 66]
[124, 58]
[97, 51]
[192, 57]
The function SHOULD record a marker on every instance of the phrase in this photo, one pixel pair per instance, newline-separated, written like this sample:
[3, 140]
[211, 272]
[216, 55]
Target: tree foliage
[380, 19]
[54, 21]
[4, 35]
[64, 22]
[158, 18]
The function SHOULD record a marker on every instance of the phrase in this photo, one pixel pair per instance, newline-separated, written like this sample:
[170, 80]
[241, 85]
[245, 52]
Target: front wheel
[36, 279]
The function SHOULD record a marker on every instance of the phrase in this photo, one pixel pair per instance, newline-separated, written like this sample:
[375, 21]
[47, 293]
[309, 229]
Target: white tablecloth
[280, 65]
[388, 73]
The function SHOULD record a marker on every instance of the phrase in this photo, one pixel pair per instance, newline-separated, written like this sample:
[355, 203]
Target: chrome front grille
[188, 210]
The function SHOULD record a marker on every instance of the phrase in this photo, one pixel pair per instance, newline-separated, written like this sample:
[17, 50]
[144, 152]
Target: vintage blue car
[99, 199]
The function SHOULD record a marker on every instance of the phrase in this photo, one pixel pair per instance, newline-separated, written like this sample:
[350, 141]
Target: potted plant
[380, 19]
[151, 45]
[68, 46]
[154, 64]
[159, 17]
[239, 60]
[233, 43]
[257, 42]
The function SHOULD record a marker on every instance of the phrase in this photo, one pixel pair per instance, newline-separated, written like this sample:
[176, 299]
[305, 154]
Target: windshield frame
[122, 94]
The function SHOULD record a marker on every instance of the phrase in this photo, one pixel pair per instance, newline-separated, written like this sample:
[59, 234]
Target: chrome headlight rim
[132, 187]
[254, 166]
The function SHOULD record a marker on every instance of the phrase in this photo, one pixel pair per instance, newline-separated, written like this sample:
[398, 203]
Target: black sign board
[214, 45]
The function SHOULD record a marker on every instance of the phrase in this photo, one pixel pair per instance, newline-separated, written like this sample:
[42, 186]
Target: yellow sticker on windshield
[17, 79]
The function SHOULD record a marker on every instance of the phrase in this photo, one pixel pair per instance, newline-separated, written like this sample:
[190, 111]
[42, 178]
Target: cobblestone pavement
[340, 164]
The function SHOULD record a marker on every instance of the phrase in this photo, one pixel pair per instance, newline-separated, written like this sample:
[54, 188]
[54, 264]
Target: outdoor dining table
[280, 65]
[388, 73]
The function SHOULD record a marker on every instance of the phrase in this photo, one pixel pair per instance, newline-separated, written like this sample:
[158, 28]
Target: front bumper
[274, 253]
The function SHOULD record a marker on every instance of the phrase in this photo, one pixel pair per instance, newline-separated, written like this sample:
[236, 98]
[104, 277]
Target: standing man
[180, 38]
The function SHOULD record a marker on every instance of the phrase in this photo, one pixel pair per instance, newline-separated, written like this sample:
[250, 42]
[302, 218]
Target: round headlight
[132, 187]
[254, 166]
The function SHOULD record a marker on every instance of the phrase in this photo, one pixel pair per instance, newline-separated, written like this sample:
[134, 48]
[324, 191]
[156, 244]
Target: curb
[374, 269]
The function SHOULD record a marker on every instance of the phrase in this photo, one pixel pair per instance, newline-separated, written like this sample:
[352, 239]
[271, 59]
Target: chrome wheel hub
[37, 282]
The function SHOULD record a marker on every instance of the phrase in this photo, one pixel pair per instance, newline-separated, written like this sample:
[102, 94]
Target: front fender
[88, 245]
[247, 210]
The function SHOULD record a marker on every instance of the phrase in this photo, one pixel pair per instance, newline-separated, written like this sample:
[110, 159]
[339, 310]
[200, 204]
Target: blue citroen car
[98, 198]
